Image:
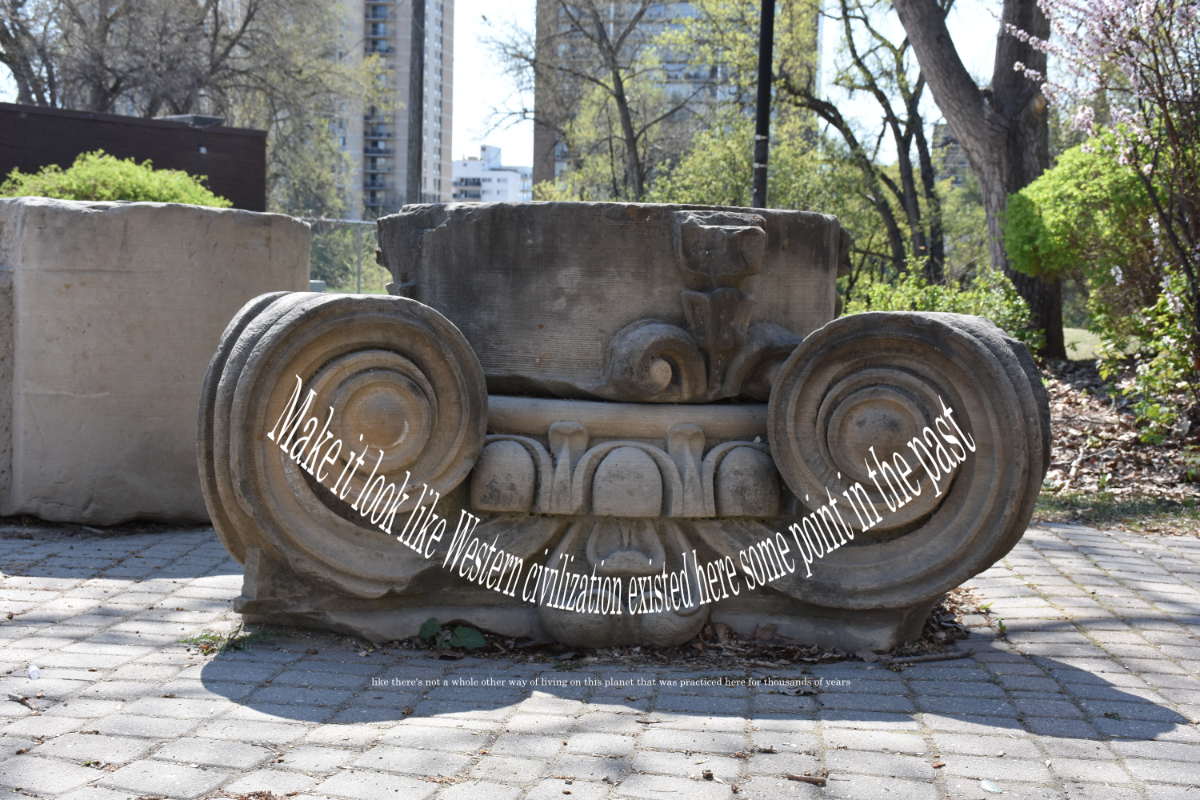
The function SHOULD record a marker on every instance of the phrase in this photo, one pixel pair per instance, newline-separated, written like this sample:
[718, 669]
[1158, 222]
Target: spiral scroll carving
[877, 381]
[394, 380]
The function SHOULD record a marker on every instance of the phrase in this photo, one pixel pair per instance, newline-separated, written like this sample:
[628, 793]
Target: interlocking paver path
[1094, 693]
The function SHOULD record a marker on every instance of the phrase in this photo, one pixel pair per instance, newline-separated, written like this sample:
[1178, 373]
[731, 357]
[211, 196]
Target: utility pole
[416, 102]
[762, 117]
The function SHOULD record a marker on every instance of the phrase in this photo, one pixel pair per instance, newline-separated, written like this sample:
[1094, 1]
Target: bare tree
[278, 65]
[882, 69]
[592, 51]
[1002, 128]
[25, 36]
[904, 196]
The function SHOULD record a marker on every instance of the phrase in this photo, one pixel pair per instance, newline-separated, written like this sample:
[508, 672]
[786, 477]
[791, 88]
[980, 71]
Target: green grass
[1105, 510]
[214, 643]
[1081, 343]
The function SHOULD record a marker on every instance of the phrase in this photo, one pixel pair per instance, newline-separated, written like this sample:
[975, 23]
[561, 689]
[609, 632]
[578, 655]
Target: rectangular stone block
[561, 284]
[109, 315]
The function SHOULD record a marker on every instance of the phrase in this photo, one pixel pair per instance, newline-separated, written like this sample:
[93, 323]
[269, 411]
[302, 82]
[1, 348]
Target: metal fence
[343, 255]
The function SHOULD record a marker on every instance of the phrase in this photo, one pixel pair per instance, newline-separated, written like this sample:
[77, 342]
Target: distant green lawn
[1137, 513]
[1081, 343]
[366, 290]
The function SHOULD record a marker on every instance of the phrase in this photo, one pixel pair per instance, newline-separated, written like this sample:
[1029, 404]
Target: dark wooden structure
[233, 159]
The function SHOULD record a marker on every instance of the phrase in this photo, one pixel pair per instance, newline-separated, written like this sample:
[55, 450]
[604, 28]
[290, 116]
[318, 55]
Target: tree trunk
[1002, 129]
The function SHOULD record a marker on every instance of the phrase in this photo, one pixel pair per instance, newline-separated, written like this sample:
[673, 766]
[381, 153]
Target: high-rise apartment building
[378, 139]
[486, 179]
[560, 44]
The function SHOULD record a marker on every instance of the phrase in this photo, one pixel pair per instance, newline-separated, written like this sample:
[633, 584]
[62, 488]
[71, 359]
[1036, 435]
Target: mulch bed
[719, 647]
[1097, 447]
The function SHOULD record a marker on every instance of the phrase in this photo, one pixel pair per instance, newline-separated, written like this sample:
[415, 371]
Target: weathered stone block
[109, 313]
[633, 419]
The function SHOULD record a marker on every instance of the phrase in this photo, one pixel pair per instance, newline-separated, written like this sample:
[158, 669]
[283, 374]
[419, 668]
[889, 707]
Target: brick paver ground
[1094, 693]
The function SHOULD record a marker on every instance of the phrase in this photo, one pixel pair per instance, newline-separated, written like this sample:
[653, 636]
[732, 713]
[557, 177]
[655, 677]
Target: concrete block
[109, 315]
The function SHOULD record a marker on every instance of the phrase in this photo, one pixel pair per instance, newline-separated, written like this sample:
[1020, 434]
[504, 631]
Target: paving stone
[776, 788]
[314, 759]
[429, 763]
[1167, 751]
[668, 720]
[846, 762]
[342, 735]
[458, 740]
[1162, 771]
[213, 753]
[362, 785]
[508, 770]
[866, 702]
[270, 712]
[172, 708]
[1073, 728]
[468, 723]
[868, 720]
[43, 727]
[718, 705]
[1077, 748]
[991, 768]
[492, 791]
[43, 776]
[660, 787]
[1159, 792]
[865, 787]
[590, 768]
[293, 695]
[204, 690]
[600, 744]
[781, 763]
[85, 708]
[269, 780]
[540, 724]
[161, 777]
[242, 730]
[147, 727]
[1047, 706]
[1079, 790]
[875, 740]
[87, 793]
[967, 705]
[552, 789]
[694, 765]
[80, 748]
[865, 719]
[951, 744]
[1076, 769]
[551, 705]
[694, 741]
[955, 688]
[1134, 711]
[529, 746]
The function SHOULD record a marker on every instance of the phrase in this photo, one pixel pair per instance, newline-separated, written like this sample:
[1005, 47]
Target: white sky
[479, 87]
[973, 25]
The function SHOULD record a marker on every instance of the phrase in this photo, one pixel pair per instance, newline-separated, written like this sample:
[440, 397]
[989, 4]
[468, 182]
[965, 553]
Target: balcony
[377, 151]
[467, 182]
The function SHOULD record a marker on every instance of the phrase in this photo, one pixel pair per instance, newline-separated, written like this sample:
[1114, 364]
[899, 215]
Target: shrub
[989, 295]
[98, 176]
[1091, 217]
